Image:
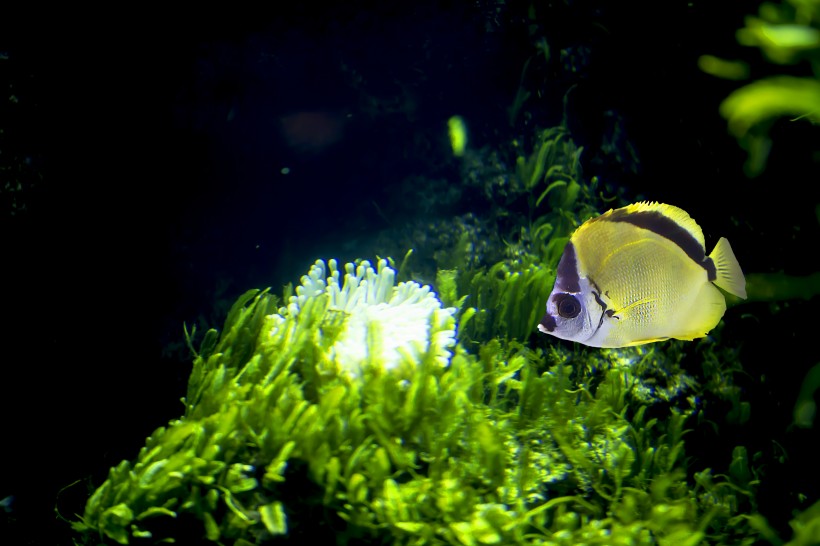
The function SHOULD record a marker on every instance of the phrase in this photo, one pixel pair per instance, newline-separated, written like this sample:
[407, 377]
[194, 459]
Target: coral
[398, 322]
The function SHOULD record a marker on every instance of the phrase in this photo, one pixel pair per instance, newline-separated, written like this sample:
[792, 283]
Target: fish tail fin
[729, 275]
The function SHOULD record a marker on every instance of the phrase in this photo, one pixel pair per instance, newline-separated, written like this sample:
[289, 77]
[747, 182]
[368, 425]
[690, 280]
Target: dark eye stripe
[566, 278]
[548, 322]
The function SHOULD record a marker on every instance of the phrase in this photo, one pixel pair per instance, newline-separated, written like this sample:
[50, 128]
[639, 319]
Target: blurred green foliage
[788, 34]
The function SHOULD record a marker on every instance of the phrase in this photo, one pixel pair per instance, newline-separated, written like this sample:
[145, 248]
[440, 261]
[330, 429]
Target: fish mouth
[547, 324]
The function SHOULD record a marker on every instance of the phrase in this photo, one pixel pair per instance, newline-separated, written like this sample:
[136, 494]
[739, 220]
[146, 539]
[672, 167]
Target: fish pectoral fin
[624, 312]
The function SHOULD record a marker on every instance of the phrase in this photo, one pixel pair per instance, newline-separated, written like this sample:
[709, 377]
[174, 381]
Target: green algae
[467, 432]
[503, 445]
[349, 416]
[786, 34]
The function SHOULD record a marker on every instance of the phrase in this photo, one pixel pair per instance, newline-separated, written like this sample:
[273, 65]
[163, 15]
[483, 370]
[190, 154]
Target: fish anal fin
[729, 275]
[643, 341]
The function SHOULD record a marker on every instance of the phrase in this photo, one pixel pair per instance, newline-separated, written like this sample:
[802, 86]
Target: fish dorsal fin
[677, 215]
[666, 221]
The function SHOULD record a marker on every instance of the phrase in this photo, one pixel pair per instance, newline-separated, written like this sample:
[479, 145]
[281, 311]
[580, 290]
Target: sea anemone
[382, 324]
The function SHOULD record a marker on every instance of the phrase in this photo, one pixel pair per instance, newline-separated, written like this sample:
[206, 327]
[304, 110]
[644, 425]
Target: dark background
[149, 148]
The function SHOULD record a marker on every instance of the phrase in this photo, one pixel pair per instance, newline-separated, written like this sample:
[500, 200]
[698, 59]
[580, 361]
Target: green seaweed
[357, 410]
[504, 444]
[365, 411]
[787, 34]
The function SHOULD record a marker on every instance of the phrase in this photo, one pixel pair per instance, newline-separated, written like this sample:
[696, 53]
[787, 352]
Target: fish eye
[568, 306]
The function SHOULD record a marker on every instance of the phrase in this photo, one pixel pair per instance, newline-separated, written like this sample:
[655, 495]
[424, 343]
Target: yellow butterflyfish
[640, 274]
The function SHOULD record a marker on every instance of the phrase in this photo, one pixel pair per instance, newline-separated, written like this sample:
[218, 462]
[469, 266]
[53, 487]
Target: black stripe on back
[666, 227]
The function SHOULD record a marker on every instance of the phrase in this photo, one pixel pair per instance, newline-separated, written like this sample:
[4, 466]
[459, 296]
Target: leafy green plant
[787, 34]
[424, 444]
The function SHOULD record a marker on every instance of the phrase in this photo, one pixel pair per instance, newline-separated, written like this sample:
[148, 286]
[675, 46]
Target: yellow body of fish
[640, 274]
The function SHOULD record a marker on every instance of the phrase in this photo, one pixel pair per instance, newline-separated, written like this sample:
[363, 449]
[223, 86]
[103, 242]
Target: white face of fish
[576, 310]
[576, 316]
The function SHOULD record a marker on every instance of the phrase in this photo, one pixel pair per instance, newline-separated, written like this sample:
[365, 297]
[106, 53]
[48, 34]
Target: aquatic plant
[509, 297]
[531, 209]
[787, 34]
[509, 294]
[21, 177]
[269, 391]
[353, 413]
[805, 408]
[364, 410]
